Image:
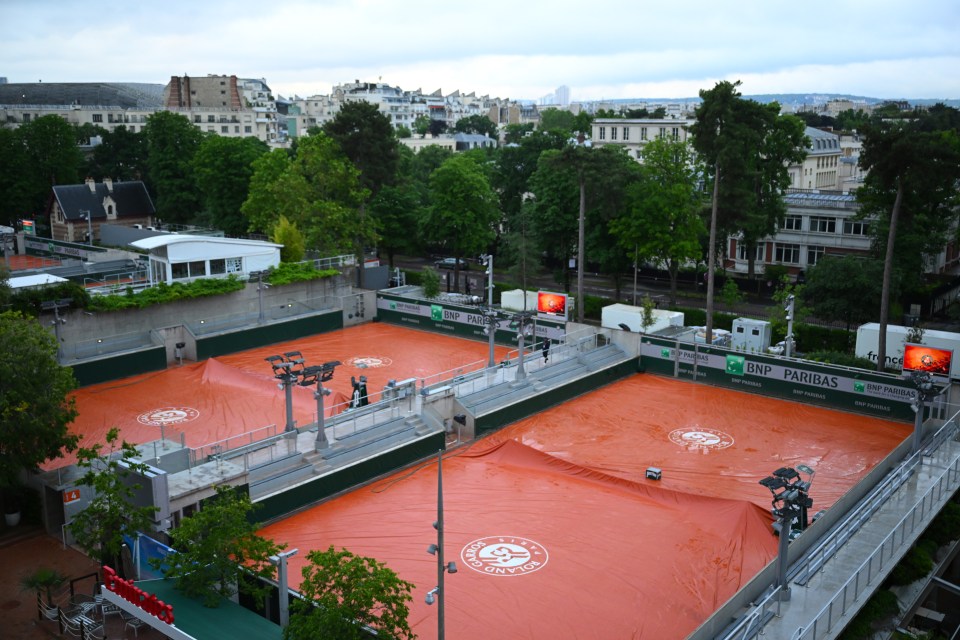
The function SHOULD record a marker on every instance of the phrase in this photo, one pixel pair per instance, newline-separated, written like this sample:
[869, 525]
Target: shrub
[946, 526]
[288, 272]
[882, 605]
[28, 301]
[842, 359]
[916, 564]
[164, 293]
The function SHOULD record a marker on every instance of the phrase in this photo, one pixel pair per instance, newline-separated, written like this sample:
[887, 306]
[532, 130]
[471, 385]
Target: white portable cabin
[181, 258]
[614, 315]
[752, 336]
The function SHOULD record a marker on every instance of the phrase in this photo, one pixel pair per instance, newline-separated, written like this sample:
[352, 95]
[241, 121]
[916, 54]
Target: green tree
[172, 142]
[113, 473]
[344, 593]
[464, 209]
[35, 406]
[437, 127]
[287, 234]
[52, 158]
[367, 138]
[748, 146]
[403, 131]
[222, 168]
[396, 210]
[421, 125]
[318, 190]
[662, 222]
[514, 133]
[14, 178]
[913, 168]
[844, 289]
[219, 550]
[560, 119]
[476, 124]
[122, 155]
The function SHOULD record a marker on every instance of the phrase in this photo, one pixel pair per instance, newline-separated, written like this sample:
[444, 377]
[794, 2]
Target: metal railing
[875, 568]
[204, 453]
[814, 560]
[94, 347]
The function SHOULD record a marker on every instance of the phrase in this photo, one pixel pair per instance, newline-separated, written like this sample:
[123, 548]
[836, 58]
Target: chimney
[91, 184]
[108, 183]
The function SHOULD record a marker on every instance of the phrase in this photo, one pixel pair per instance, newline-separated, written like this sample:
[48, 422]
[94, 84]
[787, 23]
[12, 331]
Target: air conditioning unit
[151, 229]
[138, 226]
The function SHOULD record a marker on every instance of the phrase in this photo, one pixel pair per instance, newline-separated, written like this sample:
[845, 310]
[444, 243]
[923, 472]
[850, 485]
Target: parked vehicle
[451, 263]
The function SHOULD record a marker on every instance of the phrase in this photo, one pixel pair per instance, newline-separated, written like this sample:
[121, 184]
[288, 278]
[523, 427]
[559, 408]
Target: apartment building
[634, 134]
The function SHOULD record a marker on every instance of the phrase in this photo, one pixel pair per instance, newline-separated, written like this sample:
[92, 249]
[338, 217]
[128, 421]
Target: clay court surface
[556, 532]
[555, 529]
[21, 262]
[231, 395]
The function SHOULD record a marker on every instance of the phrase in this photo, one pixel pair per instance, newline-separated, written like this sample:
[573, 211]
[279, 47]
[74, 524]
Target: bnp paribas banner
[463, 321]
[808, 382]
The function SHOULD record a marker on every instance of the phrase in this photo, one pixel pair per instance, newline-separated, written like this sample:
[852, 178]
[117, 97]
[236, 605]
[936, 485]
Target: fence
[95, 347]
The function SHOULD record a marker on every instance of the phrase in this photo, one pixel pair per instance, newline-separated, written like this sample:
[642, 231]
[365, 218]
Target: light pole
[788, 341]
[437, 593]
[260, 287]
[790, 503]
[522, 322]
[56, 305]
[280, 562]
[318, 374]
[492, 319]
[285, 369]
[925, 391]
[86, 216]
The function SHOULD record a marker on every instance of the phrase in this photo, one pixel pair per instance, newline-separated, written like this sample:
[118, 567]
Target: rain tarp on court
[556, 532]
[231, 395]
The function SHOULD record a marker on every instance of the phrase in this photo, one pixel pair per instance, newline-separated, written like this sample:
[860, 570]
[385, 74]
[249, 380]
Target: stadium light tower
[523, 323]
[318, 374]
[437, 593]
[789, 506]
[287, 368]
[925, 392]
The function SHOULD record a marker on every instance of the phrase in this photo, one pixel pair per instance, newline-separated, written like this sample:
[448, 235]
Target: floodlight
[451, 567]
[787, 473]
[432, 549]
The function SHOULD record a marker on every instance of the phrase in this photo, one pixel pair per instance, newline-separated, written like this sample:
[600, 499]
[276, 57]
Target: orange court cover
[231, 395]
[556, 532]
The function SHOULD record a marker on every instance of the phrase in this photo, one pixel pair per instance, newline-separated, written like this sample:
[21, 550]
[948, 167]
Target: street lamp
[436, 594]
[260, 287]
[286, 369]
[318, 374]
[789, 505]
[925, 392]
[85, 215]
[280, 562]
[56, 305]
[523, 323]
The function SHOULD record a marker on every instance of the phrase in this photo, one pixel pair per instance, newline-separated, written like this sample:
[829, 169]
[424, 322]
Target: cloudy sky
[521, 50]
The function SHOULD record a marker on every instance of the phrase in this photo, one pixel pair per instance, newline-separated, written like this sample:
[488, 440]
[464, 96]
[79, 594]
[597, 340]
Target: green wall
[120, 366]
[250, 338]
[459, 320]
[290, 500]
[809, 382]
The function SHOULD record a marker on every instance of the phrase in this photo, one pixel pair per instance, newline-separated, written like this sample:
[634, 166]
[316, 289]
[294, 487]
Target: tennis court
[556, 532]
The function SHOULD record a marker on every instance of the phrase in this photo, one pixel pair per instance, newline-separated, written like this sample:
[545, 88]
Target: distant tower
[563, 96]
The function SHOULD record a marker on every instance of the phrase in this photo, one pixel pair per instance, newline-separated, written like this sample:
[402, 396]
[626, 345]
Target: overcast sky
[521, 50]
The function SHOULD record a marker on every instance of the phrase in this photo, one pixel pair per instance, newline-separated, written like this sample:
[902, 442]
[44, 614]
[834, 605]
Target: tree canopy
[35, 407]
[222, 169]
[476, 124]
[367, 138]
[172, 142]
[343, 593]
[844, 289]
[218, 548]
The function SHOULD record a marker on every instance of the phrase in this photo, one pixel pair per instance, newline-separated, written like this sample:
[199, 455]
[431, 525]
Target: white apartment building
[821, 168]
[634, 134]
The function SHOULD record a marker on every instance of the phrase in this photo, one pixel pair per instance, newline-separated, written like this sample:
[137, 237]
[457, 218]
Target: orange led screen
[918, 357]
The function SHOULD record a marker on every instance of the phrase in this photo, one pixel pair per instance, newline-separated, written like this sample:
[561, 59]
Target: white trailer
[868, 340]
[614, 315]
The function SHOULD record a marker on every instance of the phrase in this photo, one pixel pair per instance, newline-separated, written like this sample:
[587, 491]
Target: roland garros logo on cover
[504, 556]
[698, 438]
[168, 415]
[369, 362]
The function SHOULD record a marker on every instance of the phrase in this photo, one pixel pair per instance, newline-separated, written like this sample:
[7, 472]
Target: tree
[913, 168]
[464, 210]
[14, 178]
[112, 473]
[514, 133]
[437, 127]
[52, 157]
[844, 289]
[287, 234]
[318, 190]
[172, 142]
[403, 131]
[553, 118]
[35, 406]
[367, 138]
[662, 222]
[219, 551]
[748, 145]
[222, 168]
[121, 155]
[476, 124]
[421, 125]
[343, 593]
